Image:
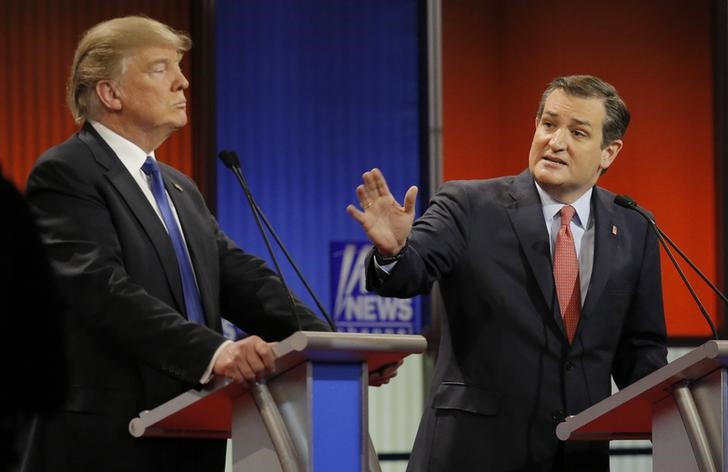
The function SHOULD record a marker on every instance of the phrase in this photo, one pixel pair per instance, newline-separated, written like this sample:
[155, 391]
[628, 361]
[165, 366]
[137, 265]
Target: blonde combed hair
[101, 52]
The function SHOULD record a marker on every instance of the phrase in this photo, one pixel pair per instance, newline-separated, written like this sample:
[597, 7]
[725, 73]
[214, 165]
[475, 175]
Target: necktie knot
[150, 166]
[567, 213]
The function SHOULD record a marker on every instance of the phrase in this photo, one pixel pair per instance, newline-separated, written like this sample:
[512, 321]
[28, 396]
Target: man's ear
[108, 94]
[609, 153]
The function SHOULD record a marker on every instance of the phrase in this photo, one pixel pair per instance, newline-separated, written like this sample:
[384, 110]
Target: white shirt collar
[552, 207]
[131, 155]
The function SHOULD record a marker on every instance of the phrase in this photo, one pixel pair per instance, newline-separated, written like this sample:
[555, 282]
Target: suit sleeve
[642, 345]
[254, 298]
[435, 246]
[32, 307]
[86, 254]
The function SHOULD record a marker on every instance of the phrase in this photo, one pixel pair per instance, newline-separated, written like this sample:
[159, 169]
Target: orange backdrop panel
[37, 42]
[498, 56]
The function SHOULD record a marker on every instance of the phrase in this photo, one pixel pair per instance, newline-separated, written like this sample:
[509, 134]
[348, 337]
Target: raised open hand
[386, 223]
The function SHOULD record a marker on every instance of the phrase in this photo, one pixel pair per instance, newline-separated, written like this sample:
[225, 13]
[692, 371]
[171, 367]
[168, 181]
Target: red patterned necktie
[566, 274]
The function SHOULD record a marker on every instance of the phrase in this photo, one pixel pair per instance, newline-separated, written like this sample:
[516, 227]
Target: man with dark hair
[549, 288]
[145, 269]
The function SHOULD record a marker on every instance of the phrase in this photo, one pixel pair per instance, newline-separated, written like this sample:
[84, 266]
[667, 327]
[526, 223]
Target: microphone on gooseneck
[232, 162]
[627, 202]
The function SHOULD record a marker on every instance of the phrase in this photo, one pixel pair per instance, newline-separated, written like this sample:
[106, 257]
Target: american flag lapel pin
[614, 230]
[178, 187]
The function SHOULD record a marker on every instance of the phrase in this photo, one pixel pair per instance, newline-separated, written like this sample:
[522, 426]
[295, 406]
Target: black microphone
[627, 202]
[232, 162]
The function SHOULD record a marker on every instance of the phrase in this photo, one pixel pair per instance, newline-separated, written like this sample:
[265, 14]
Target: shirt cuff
[386, 268]
[208, 375]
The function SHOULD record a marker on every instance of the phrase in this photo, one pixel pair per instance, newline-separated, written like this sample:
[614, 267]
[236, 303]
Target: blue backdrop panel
[311, 93]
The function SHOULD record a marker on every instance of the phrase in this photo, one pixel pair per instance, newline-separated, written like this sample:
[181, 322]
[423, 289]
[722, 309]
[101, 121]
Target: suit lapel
[605, 248]
[124, 183]
[528, 222]
[527, 218]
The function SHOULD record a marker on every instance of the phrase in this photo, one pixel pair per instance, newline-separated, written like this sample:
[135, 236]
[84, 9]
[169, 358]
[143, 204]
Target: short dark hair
[588, 86]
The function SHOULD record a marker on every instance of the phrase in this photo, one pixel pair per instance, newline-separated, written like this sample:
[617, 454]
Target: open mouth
[554, 160]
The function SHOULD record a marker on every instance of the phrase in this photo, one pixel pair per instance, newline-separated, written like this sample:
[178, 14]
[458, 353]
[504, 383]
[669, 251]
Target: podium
[682, 407]
[311, 414]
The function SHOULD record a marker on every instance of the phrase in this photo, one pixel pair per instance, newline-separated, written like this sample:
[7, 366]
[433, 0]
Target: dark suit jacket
[30, 304]
[130, 345]
[506, 373]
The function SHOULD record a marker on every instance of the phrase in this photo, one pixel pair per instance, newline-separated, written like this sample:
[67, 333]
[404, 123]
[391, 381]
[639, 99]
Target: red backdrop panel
[37, 42]
[498, 56]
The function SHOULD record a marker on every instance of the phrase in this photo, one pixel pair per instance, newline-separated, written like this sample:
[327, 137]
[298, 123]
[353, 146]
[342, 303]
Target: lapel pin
[178, 187]
[614, 230]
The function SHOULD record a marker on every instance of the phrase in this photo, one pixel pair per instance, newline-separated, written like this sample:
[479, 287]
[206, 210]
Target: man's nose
[181, 83]
[557, 142]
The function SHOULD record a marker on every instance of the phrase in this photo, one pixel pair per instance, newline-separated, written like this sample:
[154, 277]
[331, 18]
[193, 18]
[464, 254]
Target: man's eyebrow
[161, 60]
[582, 122]
[578, 121]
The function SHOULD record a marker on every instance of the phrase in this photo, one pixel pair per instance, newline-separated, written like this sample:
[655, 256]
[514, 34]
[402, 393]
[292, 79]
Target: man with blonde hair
[144, 267]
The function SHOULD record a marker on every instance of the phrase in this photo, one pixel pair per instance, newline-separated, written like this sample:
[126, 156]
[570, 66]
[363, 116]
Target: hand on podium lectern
[384, 374]
[246, 360]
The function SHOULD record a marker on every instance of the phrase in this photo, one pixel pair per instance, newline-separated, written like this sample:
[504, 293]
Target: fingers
[246, 361]
[227, 365]
[266, 354]
[246, 372]
[384, 374]
[375, 184]
[365, 200]
[252, 365]
[380, 182]
[356, 214]
[389, 370]
[370, 186]
[376, 380]
[377, 203]
[410, 198]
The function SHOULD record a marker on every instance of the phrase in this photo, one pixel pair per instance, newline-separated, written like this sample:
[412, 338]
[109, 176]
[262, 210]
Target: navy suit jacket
[506, 373]
[130, 345]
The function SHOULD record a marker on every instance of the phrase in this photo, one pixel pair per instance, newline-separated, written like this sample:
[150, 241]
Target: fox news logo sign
[355, 309]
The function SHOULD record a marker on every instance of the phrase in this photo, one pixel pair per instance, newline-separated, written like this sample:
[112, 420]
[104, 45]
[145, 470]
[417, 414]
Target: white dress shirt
[133, 157]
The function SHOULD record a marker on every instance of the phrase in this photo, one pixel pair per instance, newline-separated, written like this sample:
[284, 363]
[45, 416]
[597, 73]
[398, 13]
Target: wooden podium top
[377, 350]
[207, 412]
[628, 413]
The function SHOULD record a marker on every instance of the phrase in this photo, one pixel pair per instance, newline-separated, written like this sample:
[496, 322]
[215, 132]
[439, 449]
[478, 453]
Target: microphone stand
[627, 202]
[231, 161]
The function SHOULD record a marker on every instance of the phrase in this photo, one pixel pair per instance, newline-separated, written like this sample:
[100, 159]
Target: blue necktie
[189, 287]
